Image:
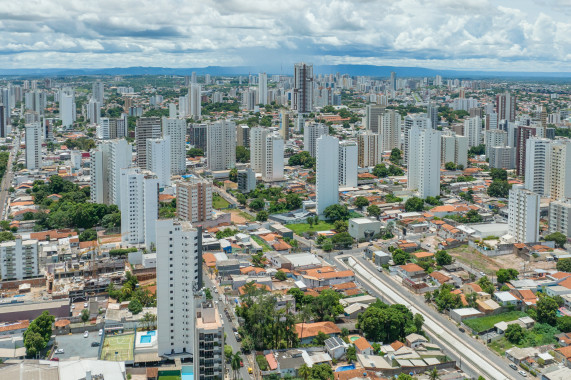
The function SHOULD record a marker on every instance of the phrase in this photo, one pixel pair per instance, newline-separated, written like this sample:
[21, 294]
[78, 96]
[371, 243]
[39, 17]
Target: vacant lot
[218, 202]
[486, 323]
[304, 227]
[474, 259]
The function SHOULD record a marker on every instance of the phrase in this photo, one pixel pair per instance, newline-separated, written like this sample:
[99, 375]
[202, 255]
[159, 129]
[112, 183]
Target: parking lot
[77, 346]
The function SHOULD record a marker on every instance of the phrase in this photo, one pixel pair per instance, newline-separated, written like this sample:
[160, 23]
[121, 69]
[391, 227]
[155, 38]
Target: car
[250, 370]
[95, 344]
[234, 329]
[100, 332]
[59, 351]
[85, 304]
[55, 359]
[241, 363]
[523, 373]
[513, 366]
[73, 306]
[461, 329]
[215, 290]
[85, 334]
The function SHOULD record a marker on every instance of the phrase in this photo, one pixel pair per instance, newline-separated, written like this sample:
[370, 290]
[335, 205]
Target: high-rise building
[454, 149]
[505, 106]
[98, 91]
[348, 156]
[523, 134]
[147, 128]
[257, 137]
[246, 180]
[473, 131]
[311, 133]
[523, 215]
[120, 156]
[390, 129]
[494, 137]
[418, 120]
[209, 351]
[273, 158]
[560, 217]
[99, 170]
[33, 146]
[179, 278]
[20, 259]
[197, 136]
[492, 121]
[327, 172]
[139, 206]
[558, 170]
[159, 159]
[263, 88]
[432, 114]
[243, 135]
[195, 96]
[67, 109]
[303, 88]
[94, 111]
[424, 161]
[393, 81]
[502, 157]
[176, 129]
[3, 122]
[370, 149]
[221, 141]
[537, 156]
[194, 200]
[284, 125]
[374, 113]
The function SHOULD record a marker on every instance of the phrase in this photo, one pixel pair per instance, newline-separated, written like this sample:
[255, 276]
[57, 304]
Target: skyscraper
[424, 161]
[432, 114]
[303, 88]
[370, 149]
[418, 120]
[494, 137]
[67, 109]
[197, 136]
[473, 131]
[348, 155]
[243, 135]
[455, 150]
[374, 113]
[523, 215]
[33, 146]
[107, 160]
[505, 106]
[159, 159]
[537, 156]
[147, 128]
[311, 133]
[176, 129]
[179, 277]
[195, 95]
[221, 141]
[390, 129]
[393, 81]
[94, 111]
[284, 125]
[327, 172]
[3, 123]
[523, 134]
[99, 170]
[558, 169]
[98, 91]
[194, 200]
[273, 157]
[263, 88]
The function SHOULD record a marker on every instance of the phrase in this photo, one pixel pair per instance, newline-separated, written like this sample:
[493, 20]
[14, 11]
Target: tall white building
[273, 158]
[176, 129]
[257, 137]
[536, 158]
[139, 207]
[194, 200]
[348, 156]
[195, 101]
[221, 141]
[33, 146]
[327, 173]
[558, 169]
[99, 170]
[311, 133]
[263, 88]
[523, 215]
[390, 130]
[374, 112]
[495, 137]
[159, 159]
[418, 120]
[67, 109]
[424, 161]
[94, 111]
[432, 114]
[473, 130]
[455, 149]
[370, 149]
[98, 91]
[179, 276]
[560, 217]
[20, 259]
[120, 156]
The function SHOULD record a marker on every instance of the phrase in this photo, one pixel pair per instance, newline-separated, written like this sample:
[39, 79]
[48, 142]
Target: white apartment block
[370, 149]
[195, 96]
[139, 207]
[94, 111]
[179, 276]
[390, 130]
[473, 130]
[327, 173]
[120, 157]
[311, 133]
[273, 158]
[98, 91]
[99, 181]
[560, 217]
[558, 169]
[419, 121]
[523, 215]
[257, 139]
[19, 259]
[221, 145]
[209, 351]
[263, 88]
[194, 200]
[495, 137]
[33, 140]
[159, 159]
[176, 129]
[246, 180]
[536, 157]
[424, 161]
[348, 156]
[502, 157]
[454, 149]
[67, 109]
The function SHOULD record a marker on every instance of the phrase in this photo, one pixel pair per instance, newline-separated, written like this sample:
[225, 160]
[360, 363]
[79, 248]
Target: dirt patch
[475, 259]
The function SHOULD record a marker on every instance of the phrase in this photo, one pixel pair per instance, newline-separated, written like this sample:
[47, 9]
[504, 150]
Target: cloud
[472, 34]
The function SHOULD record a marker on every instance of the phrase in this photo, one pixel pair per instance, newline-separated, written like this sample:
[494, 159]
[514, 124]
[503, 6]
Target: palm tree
[304, 371]
[433, 375]
[235, 363]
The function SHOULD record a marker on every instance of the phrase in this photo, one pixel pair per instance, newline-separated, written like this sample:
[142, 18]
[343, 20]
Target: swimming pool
[151, 333]
[345, 368]
[187, 372]
[145, 339]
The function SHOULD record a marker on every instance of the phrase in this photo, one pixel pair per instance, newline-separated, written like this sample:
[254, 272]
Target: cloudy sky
[499, 35]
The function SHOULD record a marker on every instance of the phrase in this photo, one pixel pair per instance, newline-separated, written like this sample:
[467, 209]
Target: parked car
[100, 332]
[86, 334]
[59, 351]
[513, 366]
[523, 373]
[95, 344]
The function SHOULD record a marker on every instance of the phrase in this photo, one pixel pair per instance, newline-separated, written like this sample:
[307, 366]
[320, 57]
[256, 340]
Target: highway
[8, 177]
[473, 357]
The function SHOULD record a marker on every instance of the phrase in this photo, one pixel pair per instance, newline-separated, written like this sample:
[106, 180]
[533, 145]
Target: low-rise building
[363, 228]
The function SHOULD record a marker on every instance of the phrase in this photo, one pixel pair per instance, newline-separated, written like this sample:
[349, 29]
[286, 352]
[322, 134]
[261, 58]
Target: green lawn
[262, 243]
[169, 377]
[539, 335]
[486, 323]
[218, 202]
[304, 227]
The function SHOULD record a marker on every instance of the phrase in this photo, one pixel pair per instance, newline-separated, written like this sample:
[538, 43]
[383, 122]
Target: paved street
[8, 177]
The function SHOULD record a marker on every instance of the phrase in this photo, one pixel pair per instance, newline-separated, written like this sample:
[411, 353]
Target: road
[7, 179]
[473, 357]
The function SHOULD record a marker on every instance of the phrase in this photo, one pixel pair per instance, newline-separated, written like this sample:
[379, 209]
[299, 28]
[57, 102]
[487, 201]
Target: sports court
[118, 347]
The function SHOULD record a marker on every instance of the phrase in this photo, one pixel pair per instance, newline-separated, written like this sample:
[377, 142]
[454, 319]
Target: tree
[404, 376]
[418, 322]
[400, 257]
[486, 285]
[38, 333]
[477, 150]
[235, 363]
[499, 189]
[195, 152]
[257, 204]
[310, 221]
[293, 201]
[326, 306]
[84, 315]
[262, 216]
[443, 258]
[320, 339]
[450, 166]
[564, 265]
[241, 198]
[135, 306]
[340, 226]
[322, 372]
[280, 275]
[34, 343]
[336, 212]
[383, 323]
[374, 210]
[149, 320]
[228, 352]
[414, 204]
[445, 299]
[360, 202]
[559, 239]
[396, 156]
[88, 235]
[342, 239]
[242, 154]
[304, 371]
[351, 354]
[499, 174]
[427, 297]
[547, 310]
[564, 323]
[506, 275]
[514, 333]
[433, 374]
[380, 171]
[327, 246]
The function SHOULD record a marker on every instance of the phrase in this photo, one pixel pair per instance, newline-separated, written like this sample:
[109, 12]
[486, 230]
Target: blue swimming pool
[151, 333]
[145, 339]
[345, 368]
[187, 372]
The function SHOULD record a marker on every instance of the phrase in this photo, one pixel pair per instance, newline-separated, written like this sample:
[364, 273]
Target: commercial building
[363, 228]
[424, 161]
[327, 173]
[221, 142]
[147, 128]
[176, 129]
[523, 215]
[194, 200]
[19, 259]
[348, 154]
[33, 146]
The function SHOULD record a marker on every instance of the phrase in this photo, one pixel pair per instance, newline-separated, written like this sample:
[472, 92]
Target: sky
[488, 35]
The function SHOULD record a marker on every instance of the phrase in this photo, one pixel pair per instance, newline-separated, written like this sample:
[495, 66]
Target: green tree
[400, 257]
[547, 310]
[135, 306]
[351, 354]
[506, 275]
[326, 306]
[564, 323]
[336, 212]
[559, 239]
[280, 275]
[360, 202]
[514, 333]
[228, 352]
[310, 221]
[320, 339]
[564, 265]
[418, 322]
[235, 363]
[304, 371]
[88, 235]
[241, 198]
[242, 154]
[380, 171]
[322, 372]
[396, 156]
[498, 174]
[293, 201]
[499, 189]
[450, 166]
[84, 315]
[374, 210]
[257, 204]
[233, 175]
[262, 216]
[445, 299]
[340, 226]
[195, 152]
[443, 258]
[342, 239]
[486, 285]
[383, 323]
[414, 204]
[38, 333]
[433, 374]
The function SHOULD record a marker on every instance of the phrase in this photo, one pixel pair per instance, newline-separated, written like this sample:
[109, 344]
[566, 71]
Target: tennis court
[118, 347]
